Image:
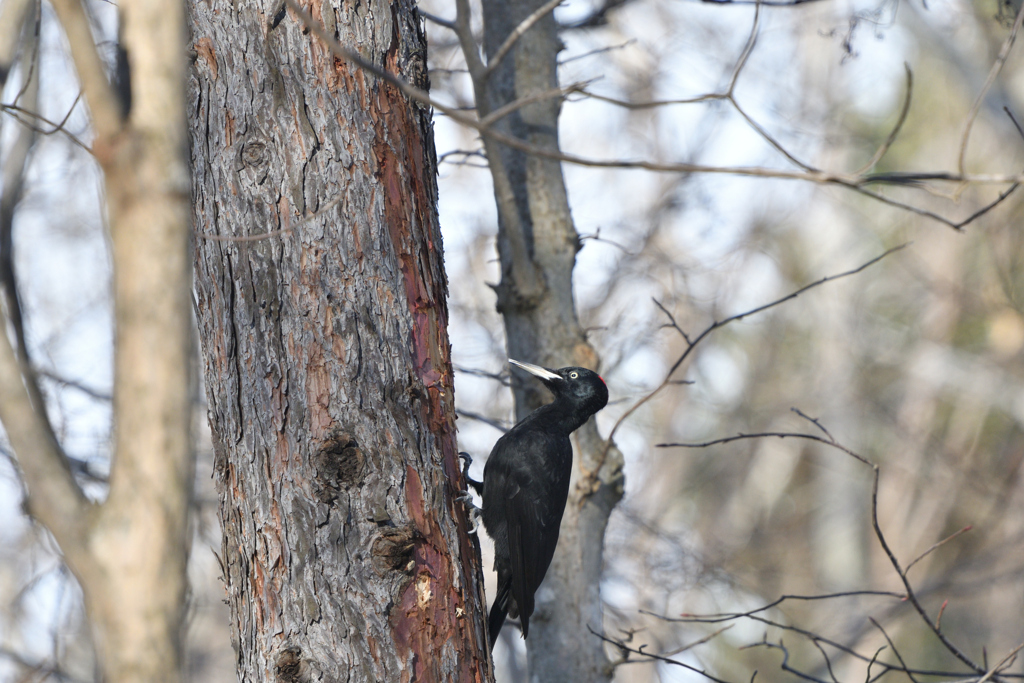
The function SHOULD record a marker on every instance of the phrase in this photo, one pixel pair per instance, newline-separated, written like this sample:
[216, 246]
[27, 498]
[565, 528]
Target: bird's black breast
[526, 483]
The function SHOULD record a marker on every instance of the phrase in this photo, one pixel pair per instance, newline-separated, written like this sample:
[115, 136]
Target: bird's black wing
[533, 512]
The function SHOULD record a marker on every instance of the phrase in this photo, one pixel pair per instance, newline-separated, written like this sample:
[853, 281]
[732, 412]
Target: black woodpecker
[526, 483]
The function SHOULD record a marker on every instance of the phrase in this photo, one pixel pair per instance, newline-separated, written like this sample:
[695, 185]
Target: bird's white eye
[573, 375]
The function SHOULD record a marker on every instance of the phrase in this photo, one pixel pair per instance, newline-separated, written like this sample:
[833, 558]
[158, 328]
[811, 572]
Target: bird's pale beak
[535, 370]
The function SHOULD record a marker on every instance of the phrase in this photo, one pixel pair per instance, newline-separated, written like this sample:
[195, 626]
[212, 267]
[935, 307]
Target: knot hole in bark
[339, 464]
[255, 153]
[392, 552]
[290, 668]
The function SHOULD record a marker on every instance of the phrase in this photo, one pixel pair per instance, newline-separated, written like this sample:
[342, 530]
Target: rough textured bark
[541, 327]
[326, 351]
[129, 553]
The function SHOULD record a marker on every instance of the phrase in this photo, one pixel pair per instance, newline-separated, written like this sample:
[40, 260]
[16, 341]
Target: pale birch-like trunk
[129, 552]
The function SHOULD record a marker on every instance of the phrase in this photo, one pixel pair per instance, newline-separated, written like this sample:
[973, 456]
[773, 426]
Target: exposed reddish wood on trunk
[423, 625]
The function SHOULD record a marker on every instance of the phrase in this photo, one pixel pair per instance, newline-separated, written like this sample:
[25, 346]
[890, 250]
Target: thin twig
[47, 670]
[516, 105]
[1013, 119]
[690, 345]
[661, 658]
[828, 662]
[54, 127]
[482, 418]
[730, 616]
[904, 110]
[896, 652]
[597, 51]
[95, 393]
[997, 66]
[765, 435]
[785, 659]
[502, 378]
[437, 20]
[705, 639]
[988, 207]
[908, 207]
[936, 546]
[461, 152]
[874, 659]
[650, 104]
[911, 596]
[92, 74]
[813, 421]
[748, 47]
[741, 61]
[517, 33]
[1006, 662]
[768, 137]
[671, 320]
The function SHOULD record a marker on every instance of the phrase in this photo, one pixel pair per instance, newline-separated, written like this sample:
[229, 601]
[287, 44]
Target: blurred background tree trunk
[328, 374]
[537, 245]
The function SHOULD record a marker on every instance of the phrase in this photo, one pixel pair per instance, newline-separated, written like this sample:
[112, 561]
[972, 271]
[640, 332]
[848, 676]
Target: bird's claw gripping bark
[478, 486]
[472, 511]
[466, 496]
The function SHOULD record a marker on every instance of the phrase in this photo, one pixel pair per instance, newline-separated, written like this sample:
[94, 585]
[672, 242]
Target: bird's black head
[583, 389]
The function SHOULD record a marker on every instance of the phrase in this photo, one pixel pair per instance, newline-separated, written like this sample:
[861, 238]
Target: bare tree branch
[502, 112]
[997, 66]
[48, 670]
[64, 381]
[956, 225]
[691, 344]
[661, 658]
[1005, 663]
[730, 616]
[55, 127]
[904, 110]
[99, 94]
[53, 496]
[471, 51]
[892, 646]
[501, 427]
[518, 32]
[936, 546]
[764, 435]
[911, 596]
[450, 25]
[13, 171]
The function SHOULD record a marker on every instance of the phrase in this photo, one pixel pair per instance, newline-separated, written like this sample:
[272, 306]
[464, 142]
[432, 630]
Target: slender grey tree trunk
[326, 352]
[537, 243]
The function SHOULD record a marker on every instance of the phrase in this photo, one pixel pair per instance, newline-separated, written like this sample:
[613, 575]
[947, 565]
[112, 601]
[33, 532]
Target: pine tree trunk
[326, 353]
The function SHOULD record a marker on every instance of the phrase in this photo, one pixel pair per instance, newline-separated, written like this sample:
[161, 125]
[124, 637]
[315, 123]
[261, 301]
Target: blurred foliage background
[915, 363]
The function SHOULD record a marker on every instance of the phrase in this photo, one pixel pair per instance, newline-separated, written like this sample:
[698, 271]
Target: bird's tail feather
[499, 610]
